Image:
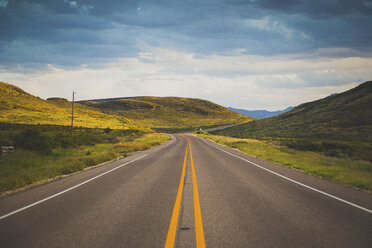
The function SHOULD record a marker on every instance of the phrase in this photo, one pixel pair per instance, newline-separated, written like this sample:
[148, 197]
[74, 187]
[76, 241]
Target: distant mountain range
[260, 114]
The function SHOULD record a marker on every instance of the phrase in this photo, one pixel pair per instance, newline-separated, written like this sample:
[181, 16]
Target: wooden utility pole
[123, 120]
[72, 112]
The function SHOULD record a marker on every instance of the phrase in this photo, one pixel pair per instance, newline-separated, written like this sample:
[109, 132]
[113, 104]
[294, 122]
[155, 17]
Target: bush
[74, 167]
[201, 132]
[33, 140]
[331, 148]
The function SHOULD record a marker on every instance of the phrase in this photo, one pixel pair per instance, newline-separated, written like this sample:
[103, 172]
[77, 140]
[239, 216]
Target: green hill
[345, 116]
[169, 112]
[18, 106]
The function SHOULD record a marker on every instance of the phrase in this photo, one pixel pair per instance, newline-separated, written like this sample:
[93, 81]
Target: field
[348, 163]
[45, 152]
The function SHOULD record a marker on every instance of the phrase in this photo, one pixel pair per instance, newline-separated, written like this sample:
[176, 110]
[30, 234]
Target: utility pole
[72, 112]
[123, 119]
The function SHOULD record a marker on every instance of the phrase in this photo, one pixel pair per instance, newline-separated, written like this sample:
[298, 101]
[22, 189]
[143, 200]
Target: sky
[251, 54]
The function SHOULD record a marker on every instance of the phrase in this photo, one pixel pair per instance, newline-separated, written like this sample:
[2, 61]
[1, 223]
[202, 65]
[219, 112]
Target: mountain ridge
[260, 114]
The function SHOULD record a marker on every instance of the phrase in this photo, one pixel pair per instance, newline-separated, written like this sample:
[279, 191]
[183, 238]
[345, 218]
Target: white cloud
[82, 8]
[269, 24]
[3, 3]
[73, 4]
[245, 81]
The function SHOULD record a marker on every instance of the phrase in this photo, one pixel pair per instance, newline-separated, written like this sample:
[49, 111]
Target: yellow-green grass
[17, 106]
[170, 112]
[356, 173]
[23, 168]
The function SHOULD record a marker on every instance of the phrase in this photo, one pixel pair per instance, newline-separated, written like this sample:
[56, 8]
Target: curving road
[188, 192]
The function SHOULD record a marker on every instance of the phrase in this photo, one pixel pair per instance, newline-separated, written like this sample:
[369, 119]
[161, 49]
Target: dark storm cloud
[70, 33]
[318, 9]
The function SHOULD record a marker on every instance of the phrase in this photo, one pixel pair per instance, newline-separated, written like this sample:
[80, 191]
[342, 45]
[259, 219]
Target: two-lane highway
[187, 193]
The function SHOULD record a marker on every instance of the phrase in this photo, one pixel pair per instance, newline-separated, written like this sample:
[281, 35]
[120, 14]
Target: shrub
[33, 140]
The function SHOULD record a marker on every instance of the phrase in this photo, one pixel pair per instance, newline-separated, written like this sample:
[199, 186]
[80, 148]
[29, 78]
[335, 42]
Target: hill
[18, 106]
[260, 114]
[169, 112]
[345, 116]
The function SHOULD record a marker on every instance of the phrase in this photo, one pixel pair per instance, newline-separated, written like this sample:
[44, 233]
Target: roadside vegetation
[344, 162]
[46, 151]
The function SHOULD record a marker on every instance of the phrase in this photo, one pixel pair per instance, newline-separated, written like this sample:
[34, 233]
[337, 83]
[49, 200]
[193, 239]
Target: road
[188, 192]
[219, 128]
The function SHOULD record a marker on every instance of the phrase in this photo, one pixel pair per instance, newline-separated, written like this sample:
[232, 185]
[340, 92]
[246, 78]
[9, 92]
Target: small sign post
[6, 149]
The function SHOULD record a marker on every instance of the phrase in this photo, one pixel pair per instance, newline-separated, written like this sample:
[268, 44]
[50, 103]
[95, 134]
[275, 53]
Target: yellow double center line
[172, 231]
[199, 232]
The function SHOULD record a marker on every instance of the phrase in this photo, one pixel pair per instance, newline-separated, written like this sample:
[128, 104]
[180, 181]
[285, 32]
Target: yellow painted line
[199, 232]
[172, 231]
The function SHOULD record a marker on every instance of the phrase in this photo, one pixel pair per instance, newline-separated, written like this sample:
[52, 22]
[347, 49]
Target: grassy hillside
[169, 112]
[345, 116]
[18, 106]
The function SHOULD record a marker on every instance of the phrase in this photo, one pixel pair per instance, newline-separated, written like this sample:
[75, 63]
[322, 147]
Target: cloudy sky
[252, 54]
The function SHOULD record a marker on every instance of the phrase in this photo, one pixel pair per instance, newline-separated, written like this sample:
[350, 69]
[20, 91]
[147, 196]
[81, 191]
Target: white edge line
[173, 140]
[71, 188]
[293, 181]
[80, 184]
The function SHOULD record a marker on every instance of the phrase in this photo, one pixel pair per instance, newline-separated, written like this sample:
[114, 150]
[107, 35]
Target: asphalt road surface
[188, 192]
